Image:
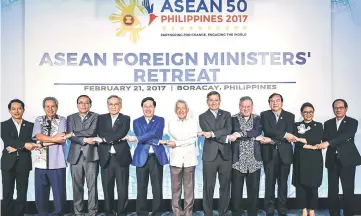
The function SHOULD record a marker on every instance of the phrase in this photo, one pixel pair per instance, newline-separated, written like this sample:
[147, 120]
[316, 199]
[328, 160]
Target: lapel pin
[344, 121]
[314, 125]
[24, 125]
[281, 117]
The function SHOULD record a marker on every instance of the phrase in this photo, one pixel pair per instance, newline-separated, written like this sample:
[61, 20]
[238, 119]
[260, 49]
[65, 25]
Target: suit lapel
[23, 129]
[280, 118]
[12, 127]
[211, 120]
[117, 122]
[272, 118]
[343, 124]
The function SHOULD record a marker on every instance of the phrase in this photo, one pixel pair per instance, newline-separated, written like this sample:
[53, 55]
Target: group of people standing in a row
[235, 147]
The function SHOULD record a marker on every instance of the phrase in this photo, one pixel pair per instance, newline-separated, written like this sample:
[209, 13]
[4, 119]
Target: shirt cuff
[213, 134]
[285, 135]
[227, 140]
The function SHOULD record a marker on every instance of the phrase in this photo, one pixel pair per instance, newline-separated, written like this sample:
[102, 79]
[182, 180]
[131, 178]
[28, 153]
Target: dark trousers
[182, 176]
[275, 170]
[210, 170]
[153, 169]
[306, 196]
[347, 176]
[9, 177]
[44, 179]
[111, 173]
[79, 172]
[252, 181]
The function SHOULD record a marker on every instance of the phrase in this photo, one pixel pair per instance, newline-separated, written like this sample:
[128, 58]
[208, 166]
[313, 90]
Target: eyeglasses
[81, 103]
[309, 113]
[339, 108]
[114, 105]
[275, 101]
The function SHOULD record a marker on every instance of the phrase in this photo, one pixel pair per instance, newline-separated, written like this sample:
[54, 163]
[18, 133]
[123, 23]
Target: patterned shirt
[51, 157]
[247, 162]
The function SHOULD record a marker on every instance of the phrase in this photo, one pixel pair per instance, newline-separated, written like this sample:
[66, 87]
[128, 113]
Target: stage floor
[200, 213]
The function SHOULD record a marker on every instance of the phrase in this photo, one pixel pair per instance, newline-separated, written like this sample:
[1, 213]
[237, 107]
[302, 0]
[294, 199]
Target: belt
[151, 154]
[112, 154]
[337, 156]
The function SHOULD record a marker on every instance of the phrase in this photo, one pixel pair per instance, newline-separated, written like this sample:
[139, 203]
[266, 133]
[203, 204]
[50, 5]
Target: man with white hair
[183, 158]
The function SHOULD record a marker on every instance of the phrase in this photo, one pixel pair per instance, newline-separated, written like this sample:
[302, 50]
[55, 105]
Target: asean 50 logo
[133, 17]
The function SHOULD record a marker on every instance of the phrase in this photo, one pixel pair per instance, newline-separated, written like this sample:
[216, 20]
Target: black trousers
[114, 172]
[347, 176]
[275, 170]
[153, 169]
[252, 181]
[210, 170]
[306, 196]
[21, 177]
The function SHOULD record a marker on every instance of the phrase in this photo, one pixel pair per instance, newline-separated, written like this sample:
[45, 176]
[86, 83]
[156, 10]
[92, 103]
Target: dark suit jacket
[148, 136]
[342, 140]
[221, 127]
[113, 136]
[81, 130]
[247, 135]
[10, 137]
[276, 131]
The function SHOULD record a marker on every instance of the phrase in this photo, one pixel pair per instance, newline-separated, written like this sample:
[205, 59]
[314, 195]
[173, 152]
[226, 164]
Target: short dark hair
[90, 100]
[274, 94]
[342, 100]
[213, 93]
[16, 101]
[244, 98]
[147, 99]
[307, 104]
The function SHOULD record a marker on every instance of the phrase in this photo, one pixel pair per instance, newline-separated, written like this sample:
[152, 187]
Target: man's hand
[200, 133]
[302, 140]
[29, 146]
[309, 147]
[236, 134]
[290, 137]
[132, 139]
[97, 139]
[323, 145]
[89, 140]
[265, 140]
[171, 144]
[11, 149]
[37, 146]
[207, 134]
[58, 138]
[232, 138]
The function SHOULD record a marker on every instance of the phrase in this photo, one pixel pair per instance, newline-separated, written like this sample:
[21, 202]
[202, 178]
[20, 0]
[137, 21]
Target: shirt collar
[186, 119]
[115, 117]
[84, 115]
[16, 122]
[340, 119]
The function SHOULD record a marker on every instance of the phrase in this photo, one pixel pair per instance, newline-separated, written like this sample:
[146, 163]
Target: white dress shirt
[338, 123]
[18, 126]
[184, 134]
[114, 118]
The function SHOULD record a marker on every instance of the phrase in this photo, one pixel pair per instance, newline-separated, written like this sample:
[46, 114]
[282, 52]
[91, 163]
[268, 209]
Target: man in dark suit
[216, 124]
[83, 155]
[16, 134]
[114, 155]
[342, 157]
[277, 152]
[149, 157]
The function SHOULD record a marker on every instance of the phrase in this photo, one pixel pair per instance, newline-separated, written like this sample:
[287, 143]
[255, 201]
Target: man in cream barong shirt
[183, 158]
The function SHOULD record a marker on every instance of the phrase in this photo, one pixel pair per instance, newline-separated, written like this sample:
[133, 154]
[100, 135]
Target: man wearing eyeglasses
[83, 155]
[114, 154]
[342, 157]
